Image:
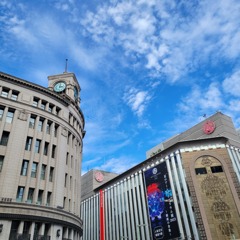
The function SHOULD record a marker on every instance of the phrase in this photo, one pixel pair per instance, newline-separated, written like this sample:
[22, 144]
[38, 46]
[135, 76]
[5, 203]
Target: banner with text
[161, 208]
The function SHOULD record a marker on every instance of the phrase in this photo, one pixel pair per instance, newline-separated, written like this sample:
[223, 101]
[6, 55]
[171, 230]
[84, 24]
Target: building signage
[161, 208]
[208, 127]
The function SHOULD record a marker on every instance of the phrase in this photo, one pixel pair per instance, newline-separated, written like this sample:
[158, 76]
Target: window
[45, 150]
[51, 174]
[24, 167]
[32, 121]
[200, 171]
[37, 146]
[1, 113]
[30, 195]
[34, 170]
[35, 101]
[5, 92]
[58, 110]
[14, 95]
[40, 194]
[53, 151]
[43, 171]
[4, 139]
[9, 117]
[50, 108]
[40, 124]
[43, 105]
[68, 139]
[67, 158]
[28, 144]
[65, 182]
[216, 169]
[20, 192]
[1, 162]
[26, 227]
[55, 130]
[70, 182]
[49, 198]
[48, 127]
[64, 202]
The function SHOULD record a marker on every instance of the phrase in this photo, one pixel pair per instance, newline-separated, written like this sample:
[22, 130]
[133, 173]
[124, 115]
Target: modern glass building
[41, 132]
[187, 188]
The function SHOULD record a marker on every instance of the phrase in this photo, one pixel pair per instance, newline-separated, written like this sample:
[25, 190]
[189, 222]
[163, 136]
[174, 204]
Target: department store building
[41, 133]
[187, 188]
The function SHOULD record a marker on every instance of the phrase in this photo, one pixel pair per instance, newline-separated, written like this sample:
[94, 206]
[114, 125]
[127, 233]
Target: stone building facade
[41, 132]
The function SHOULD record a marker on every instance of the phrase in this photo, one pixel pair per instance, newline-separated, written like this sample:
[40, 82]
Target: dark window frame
[200, 171]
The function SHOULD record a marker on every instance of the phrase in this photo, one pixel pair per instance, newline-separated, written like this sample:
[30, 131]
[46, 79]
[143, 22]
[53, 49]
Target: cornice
[22, 82]
[64, 99]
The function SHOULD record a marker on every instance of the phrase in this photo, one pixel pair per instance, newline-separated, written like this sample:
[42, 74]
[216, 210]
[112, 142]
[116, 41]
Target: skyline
[148, 70]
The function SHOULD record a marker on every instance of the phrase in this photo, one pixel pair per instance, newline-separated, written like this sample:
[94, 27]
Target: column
[31, 230]
[20, 228]
[70, 234]
[42, 229]
[65, 233]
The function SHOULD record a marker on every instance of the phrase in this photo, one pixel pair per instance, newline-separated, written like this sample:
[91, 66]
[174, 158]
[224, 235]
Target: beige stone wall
[214, 195]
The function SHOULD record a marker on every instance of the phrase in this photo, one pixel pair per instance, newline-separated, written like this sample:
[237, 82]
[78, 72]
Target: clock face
[59, 87]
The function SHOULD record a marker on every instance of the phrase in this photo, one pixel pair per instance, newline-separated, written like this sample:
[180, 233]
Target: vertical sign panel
[160, 203]
[102, 225]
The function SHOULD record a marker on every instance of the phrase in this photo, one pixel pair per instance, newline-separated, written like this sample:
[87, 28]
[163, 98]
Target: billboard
[162, 214]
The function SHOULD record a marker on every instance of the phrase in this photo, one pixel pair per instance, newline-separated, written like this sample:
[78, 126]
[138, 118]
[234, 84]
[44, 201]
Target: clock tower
[65, 84]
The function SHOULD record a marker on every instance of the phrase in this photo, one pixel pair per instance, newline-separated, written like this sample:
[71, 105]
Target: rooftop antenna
[66, 65]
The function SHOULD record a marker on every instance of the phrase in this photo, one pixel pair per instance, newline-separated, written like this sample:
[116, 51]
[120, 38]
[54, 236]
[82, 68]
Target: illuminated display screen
[161, 208]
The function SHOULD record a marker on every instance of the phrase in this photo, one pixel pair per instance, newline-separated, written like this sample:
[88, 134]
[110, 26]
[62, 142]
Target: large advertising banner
[162, 212]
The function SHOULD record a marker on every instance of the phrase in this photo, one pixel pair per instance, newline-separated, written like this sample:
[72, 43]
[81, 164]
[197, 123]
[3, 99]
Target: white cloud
[143, 123]
[231, 84]
[144, 27]
[137, 100]
[62, 6]
[234, 106]
[204, 99]
[118, 165]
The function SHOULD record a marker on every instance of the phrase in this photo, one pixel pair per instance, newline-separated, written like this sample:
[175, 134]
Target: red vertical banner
[102, 222]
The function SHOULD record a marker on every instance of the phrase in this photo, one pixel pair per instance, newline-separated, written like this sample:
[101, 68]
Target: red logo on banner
[208, 127]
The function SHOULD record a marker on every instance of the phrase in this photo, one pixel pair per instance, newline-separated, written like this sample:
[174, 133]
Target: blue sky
[148, 69]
